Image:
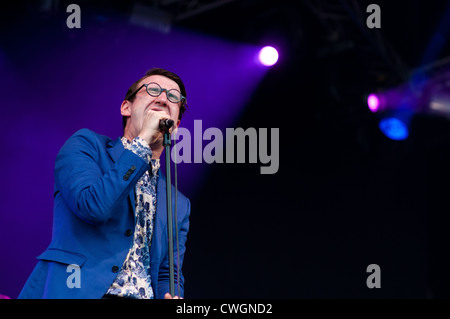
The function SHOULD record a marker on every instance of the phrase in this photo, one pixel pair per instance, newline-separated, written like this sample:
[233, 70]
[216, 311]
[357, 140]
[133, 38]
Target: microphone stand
[167, 143]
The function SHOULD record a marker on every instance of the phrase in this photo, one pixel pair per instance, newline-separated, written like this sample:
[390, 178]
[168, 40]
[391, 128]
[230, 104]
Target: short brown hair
[157, 71]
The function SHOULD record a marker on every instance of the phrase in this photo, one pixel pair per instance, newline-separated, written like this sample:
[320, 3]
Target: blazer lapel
[160, 226]
[115, 149]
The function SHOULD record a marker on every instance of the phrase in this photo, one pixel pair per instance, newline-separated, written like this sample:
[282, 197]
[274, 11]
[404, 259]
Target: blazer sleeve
[163, 277]
[90, 182]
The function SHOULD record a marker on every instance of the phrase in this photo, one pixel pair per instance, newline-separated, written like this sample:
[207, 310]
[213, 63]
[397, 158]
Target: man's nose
[162, 98]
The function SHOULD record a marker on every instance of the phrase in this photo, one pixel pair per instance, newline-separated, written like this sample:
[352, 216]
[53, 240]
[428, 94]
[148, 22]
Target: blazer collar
[115, 148]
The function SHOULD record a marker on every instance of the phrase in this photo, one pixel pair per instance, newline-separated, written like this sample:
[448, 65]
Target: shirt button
[133, 168]
[115, 268]
[128, 232]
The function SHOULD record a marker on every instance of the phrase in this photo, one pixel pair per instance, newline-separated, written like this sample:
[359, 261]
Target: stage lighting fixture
[268, 56]
[394, 128]
[373, 101]
[395, 124]
[426, 92]
[151, 18]
[440, 104]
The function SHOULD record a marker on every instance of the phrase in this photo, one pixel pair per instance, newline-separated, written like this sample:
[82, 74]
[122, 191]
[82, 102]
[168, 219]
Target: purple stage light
[373, 102]
[268, 56]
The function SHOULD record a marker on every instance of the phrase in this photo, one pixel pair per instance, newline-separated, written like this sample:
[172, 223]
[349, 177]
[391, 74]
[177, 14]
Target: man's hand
[150, 127]
[169, 296]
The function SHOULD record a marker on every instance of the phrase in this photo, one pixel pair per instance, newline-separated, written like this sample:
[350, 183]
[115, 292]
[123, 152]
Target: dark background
[345, 195]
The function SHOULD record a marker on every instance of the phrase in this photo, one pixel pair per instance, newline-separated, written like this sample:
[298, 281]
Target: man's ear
[125, 108]
[175, 127]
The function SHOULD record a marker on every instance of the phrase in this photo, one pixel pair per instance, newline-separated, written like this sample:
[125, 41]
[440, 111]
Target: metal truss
[183, 9]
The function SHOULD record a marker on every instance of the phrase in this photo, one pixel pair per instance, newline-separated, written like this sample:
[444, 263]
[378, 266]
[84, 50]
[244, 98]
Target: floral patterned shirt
[133, 280]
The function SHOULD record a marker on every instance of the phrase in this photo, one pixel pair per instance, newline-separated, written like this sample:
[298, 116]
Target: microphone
[165, 124]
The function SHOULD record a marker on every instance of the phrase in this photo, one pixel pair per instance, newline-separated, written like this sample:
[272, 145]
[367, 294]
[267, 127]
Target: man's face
[144, 101]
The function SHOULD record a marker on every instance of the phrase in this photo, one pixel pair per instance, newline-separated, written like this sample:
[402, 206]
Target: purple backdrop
[56, 80]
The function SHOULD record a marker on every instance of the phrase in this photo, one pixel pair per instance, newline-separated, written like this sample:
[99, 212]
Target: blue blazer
[93, 221]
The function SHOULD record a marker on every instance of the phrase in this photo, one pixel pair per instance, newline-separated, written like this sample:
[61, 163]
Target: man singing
[110, 214]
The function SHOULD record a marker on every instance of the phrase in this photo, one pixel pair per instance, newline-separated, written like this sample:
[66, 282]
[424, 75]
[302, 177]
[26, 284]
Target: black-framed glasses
[154, 89]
